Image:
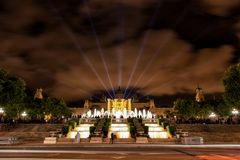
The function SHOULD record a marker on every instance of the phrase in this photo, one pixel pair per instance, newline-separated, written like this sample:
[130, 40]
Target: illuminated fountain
[83, 129]
[144, 114]
[135, 112]
[156, 131]
[121, 129]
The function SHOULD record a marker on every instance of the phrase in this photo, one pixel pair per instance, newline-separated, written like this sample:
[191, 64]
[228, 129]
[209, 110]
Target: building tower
[199, 94]
[119, 94]
[38, 94]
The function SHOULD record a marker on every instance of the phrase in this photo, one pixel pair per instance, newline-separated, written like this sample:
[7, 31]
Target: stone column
[108, 105]
[122, 104]
[152, 104]
[115, 104]
[129, 105]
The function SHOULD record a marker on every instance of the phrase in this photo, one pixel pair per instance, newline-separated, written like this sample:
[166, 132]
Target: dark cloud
[221, 7]
[176, 44]
[35, 29]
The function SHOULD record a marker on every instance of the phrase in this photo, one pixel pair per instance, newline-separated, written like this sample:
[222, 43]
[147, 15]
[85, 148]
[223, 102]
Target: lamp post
[235, 115]
[212, 115]
[1, 111]
[235, 112]
[1, 114]
[24, 114]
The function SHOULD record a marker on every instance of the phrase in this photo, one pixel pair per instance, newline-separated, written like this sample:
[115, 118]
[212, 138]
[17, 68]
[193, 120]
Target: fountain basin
[158, 134]
[156, 131]
[73, 134]
[119, 130]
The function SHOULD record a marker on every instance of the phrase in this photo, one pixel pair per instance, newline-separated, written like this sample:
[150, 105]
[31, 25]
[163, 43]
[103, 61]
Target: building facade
[120, 103]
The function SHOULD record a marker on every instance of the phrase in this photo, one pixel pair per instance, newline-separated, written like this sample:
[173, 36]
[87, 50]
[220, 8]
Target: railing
[8, 140]
[88, 120]
[119, 120]
[150, 120]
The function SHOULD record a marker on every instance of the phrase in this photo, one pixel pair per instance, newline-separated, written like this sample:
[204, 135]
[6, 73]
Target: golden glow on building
[118, 104]
[199, 94]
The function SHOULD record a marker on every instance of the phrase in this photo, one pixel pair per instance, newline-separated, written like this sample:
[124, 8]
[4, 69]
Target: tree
[231, 82]
[34, 108]
[186, 108]
[15, 100]
[12, 94]
[192, 109]
[204, 109]
[223, 110]
[55, 107]
[63, 109]
[47, 107]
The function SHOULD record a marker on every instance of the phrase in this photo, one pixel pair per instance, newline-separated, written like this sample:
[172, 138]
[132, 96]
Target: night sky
[75, 48]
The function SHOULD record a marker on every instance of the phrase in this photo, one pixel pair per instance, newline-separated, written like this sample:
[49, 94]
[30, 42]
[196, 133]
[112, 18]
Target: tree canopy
[14, 100]
[12, 94]
[231, 82]
[192, 109]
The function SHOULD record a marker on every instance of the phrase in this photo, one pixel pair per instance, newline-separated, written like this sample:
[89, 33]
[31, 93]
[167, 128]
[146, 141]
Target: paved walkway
[121, 151]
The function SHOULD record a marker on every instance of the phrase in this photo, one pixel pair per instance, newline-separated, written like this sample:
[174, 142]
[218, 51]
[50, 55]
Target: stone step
[141, 140]
[96, 140]
[50, 140]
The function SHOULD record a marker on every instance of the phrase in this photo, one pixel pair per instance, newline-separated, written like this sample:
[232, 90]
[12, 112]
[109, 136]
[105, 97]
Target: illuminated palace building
[119, 104]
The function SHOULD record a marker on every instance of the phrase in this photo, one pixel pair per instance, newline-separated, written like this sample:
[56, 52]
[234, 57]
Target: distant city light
[212, 115]
[235, 112]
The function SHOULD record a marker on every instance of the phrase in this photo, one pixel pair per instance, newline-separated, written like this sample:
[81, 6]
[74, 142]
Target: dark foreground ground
[120, 151]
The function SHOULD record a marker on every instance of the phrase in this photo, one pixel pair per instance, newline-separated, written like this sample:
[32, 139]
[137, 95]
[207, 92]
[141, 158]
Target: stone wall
[213, 133]
[99, 105]
[140, 105]
[78, 111]
[31, 132]
[161, 111]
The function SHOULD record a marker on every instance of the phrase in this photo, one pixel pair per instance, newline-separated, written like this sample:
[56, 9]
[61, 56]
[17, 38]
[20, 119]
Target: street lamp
[235, 112]
[212, 115]
[1, 111]
[24, 114]
[1, 114]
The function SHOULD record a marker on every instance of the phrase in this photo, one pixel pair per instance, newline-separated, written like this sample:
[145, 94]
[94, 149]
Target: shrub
[73, 124]
[92, 128]
[106, 127]
[132, 131]
[69, 128]
[130, 120]
[140, 120]
[105, 131]
[65, 129]
[145, 129]
[170, 129]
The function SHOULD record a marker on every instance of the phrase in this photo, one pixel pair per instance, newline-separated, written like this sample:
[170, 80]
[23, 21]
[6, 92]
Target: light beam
[142, 47]
[99, 48]
[75, 42]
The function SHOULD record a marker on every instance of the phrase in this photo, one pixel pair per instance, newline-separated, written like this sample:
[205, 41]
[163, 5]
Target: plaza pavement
[120, 151]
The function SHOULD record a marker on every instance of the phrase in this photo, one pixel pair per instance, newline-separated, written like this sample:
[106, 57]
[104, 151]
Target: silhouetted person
[112, 138]
[77, 137]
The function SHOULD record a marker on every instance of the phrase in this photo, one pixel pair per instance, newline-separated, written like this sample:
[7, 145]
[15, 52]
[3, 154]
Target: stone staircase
[139, 128]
